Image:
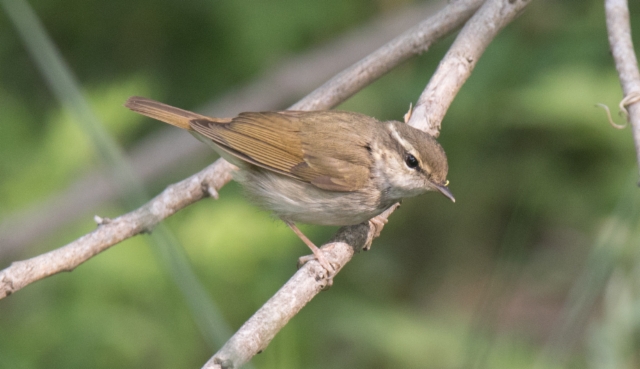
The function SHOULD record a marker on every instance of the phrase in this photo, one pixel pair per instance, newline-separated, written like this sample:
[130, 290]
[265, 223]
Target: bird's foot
[318, 255]
[375, 227]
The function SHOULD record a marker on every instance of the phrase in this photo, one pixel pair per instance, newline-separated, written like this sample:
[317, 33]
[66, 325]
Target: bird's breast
[299, 201]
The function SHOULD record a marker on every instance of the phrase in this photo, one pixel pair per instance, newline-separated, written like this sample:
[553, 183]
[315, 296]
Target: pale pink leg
[317, 253]
[376, 225]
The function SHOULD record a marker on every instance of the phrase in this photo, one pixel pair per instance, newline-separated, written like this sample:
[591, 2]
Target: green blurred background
[537, 264]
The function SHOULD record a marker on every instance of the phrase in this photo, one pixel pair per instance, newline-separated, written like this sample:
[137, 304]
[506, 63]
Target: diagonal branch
[415, 41]
[307, 282]
[22, 273]
[110, 232]
[619, 29]
[255, 335]
[458, 63]
[287, 81]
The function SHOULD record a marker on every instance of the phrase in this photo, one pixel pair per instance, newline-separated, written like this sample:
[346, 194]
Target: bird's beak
[445, 191]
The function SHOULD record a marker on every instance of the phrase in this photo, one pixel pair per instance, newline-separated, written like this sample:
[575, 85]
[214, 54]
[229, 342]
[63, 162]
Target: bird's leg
[376, 224]
[317, 253]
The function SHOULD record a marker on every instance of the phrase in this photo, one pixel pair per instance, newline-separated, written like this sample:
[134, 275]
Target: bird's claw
[375, 227]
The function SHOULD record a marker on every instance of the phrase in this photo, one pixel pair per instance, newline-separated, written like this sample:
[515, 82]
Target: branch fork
[308, 281]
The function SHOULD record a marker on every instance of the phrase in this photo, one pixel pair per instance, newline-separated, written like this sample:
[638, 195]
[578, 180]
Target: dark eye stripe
[411, 161]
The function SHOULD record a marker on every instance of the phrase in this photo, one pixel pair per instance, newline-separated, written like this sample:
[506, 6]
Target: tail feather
[163, 112]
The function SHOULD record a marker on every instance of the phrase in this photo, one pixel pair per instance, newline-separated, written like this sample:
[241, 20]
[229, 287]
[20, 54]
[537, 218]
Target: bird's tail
[163, 112]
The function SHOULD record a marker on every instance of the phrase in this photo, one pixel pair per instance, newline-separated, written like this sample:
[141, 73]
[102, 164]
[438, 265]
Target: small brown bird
[317, 167]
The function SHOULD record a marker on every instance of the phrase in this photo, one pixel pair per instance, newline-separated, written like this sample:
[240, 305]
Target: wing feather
[304, 145]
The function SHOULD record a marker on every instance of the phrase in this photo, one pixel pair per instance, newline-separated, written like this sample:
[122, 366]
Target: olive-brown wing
[336, 150]
[267, 140]
[293, 144]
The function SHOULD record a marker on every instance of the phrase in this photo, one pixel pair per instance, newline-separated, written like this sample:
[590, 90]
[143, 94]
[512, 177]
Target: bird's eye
[411, 161]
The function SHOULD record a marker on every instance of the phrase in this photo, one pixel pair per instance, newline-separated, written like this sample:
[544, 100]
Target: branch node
[8, 287]
[325, 282]
[100, 221]
[210, 190]
[407, 115]
[224, 364]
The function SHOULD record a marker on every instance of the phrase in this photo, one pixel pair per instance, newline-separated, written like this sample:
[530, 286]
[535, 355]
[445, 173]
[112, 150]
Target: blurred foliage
[536, 265]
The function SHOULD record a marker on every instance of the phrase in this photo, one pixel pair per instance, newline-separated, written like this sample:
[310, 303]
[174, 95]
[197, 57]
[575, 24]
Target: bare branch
[619, 29]
[457, 65]
[415, 41]
[285, 82]
[14, 277]
[110, 232]
[257, 332]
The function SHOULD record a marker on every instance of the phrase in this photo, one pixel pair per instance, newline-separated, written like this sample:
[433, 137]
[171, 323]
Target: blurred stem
[602, 259]
[66, 89]
[504, 277]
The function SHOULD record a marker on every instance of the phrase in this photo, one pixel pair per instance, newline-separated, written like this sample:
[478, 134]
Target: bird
[326, 167]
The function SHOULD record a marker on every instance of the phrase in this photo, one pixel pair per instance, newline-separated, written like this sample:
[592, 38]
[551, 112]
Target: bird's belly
[303, 202]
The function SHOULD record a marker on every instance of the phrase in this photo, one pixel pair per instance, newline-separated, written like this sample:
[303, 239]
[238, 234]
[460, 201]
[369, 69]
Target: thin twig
[20, 274]
[247, 342]
[457, 65]
[304, 285]
[257, 332]
[415, 41]
[150, 159]
[177, 196]
[619, 29]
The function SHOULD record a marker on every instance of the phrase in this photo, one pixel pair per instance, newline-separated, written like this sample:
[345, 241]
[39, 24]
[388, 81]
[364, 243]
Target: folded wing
[303, 145]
